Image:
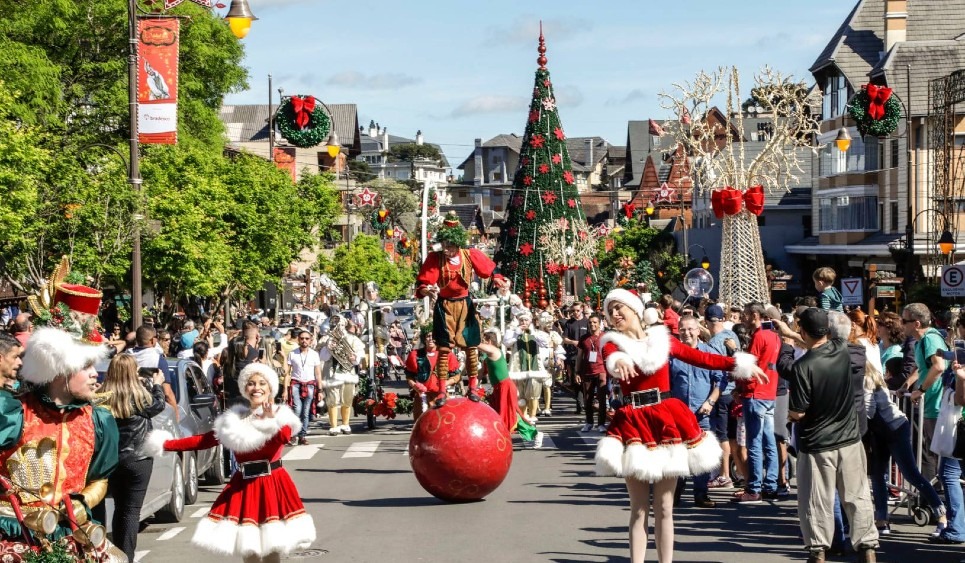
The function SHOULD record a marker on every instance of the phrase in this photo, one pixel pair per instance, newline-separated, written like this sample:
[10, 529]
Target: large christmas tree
[545, 233]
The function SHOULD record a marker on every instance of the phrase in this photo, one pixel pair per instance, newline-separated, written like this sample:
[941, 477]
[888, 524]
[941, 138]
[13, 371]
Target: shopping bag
[943, 441]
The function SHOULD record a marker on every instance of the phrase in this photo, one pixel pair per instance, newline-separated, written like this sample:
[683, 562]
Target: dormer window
[835, 95]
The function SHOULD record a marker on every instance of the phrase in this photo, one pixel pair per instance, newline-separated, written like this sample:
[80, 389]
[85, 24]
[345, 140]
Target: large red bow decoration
[728, 201]
[303, 110]
[877, 96]
[628, 209]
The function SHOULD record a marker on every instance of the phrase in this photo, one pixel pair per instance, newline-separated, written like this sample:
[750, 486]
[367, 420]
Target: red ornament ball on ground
[461, 451]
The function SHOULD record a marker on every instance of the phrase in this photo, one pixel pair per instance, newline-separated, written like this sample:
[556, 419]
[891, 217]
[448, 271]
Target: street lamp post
[239, 19]
[705, 260]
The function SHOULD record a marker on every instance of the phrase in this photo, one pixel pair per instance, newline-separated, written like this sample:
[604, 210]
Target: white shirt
[303, 366]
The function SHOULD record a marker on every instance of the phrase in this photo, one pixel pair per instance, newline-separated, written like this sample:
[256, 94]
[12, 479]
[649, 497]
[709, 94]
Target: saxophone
[339, 344]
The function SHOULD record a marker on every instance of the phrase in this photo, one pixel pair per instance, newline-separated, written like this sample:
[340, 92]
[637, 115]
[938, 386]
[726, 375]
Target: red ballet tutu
[257, 516]
[656, 442]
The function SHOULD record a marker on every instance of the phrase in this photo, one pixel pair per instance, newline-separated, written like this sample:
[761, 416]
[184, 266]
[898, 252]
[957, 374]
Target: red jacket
[765, 346]
[453, 281]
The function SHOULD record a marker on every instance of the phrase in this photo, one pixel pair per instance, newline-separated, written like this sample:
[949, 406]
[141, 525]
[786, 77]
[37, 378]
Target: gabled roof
[511, 140]
[931, 20]
[857, 45]
[576, 148]
[245, 123]
[927, 60]
[638, 146]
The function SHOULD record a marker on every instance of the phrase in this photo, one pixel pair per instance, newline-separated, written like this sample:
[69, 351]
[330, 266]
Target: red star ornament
[568, 177]
[571, 202]
[665, 193]
[526, 249]
[549, 197]
[530, 215]
[367, 197]
[544, 168]
[557, 158]
[559, 134]
[537, 141]
[528, 180]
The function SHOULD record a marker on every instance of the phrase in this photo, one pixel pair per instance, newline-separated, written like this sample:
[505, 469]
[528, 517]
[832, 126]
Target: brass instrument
[339, 345]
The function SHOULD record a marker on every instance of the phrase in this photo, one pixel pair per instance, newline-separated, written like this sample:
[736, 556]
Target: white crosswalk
[140, 555]
[300, 453]
[171, 533]
[362, 449]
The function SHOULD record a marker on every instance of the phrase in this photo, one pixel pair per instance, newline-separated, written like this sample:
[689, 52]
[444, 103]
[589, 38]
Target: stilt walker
[445, 276]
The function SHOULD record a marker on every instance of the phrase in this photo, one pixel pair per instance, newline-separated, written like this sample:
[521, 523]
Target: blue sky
[459, 70]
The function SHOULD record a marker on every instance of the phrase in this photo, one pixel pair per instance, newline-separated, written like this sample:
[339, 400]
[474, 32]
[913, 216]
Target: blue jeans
[303, 407]
[761, 446]
[898, 443]
[949, 471]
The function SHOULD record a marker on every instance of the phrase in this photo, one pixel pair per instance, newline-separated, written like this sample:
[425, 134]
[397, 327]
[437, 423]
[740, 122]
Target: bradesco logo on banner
[953, 280]
[851, 291]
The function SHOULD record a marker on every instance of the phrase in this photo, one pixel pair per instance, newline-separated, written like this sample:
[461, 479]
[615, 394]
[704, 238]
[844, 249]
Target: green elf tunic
[505, 398]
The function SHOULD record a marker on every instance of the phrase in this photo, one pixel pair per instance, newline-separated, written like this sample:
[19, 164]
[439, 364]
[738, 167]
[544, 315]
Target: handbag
[946, 427]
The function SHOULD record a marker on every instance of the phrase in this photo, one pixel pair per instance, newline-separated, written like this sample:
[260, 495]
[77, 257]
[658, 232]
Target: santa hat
[78, 297]
[262, 370]
[51, 353]
[628, 298]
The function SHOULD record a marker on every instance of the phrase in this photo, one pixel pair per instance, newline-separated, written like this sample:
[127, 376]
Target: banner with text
[157, 80]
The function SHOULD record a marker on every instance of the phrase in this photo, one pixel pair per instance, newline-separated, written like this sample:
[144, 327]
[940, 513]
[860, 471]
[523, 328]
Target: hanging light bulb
[239, 18]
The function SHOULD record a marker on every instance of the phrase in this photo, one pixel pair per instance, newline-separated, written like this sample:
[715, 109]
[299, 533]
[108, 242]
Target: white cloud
[632, 96]
[568, 96]
[490, 104]
[384, 81]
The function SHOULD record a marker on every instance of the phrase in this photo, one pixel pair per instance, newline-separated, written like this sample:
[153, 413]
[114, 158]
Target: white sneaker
[586, 428]
[345, 428]
[538, 441]
[334, 431]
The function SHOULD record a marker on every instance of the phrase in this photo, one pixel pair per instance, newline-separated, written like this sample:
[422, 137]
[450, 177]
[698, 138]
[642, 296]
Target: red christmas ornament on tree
[461, 451]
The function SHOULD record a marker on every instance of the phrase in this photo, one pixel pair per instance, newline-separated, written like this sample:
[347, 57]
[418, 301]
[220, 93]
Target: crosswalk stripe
[171, 533]
[300, 453]
[201, 512]
[362, 449]
[139, 555]
[548, 443]
[590, 439]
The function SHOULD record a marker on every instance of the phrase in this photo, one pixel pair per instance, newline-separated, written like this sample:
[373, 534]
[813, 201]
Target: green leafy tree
[365, 260]
[411, 152]
[652, 253]
[399, 199]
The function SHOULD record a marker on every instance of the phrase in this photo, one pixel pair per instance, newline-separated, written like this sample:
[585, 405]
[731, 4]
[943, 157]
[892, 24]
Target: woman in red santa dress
[259, 514]
[653, 438]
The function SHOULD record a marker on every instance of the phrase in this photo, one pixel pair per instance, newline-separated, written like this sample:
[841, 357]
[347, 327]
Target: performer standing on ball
[445, 276]
[653, 438]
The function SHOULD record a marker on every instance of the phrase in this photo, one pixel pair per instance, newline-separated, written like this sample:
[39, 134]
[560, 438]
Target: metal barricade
[909, 498]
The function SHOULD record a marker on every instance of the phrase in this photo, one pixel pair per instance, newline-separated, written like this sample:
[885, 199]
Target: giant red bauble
[461, 451]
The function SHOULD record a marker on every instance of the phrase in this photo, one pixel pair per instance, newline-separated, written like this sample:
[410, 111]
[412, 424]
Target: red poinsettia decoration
[571, 202]
[549, 197]
[528, 180]
[517, 201]
[559, 134]
[583, 235]
[537, 141]
[563, 223]
[513, 231]
[525, 161]
[568, 177]
[526, 249]
[557, 158]
[533, 116]
[553, 268]
[544, 168]
[530, 215]
[547, 83]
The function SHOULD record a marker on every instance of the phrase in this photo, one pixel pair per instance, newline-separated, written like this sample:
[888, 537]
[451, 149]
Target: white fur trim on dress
[52, 352]
[241, 433]
[745, 366]
[705, 456]
[614, 359]
[649, 354]
[230, 538]
[263, 370]
[609, 457]
[153, 445]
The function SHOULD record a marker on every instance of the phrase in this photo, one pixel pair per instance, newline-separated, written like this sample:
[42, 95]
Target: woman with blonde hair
[133, 402]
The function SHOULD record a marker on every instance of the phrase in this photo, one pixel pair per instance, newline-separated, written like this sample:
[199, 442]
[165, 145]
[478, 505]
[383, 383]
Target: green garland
[312, 135]
[858, 110]
[380, 224]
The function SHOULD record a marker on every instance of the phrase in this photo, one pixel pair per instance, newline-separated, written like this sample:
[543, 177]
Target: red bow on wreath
[628, 209]
[728, 201]
[877, 96]
[303, 110]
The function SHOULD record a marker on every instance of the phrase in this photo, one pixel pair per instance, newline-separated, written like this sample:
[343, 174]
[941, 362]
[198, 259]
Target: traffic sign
[851, 291]
[953, 280]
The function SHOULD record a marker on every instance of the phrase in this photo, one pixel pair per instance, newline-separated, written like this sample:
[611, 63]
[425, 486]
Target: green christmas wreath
[302, 121]
[380, 220]
[867, 125]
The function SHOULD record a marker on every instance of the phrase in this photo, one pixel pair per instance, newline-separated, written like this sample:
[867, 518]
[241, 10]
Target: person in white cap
[524, 344]
[259, 515]
[654, 438]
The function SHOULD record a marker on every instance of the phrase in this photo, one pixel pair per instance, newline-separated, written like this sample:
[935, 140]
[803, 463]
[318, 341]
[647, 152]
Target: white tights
[663, 518]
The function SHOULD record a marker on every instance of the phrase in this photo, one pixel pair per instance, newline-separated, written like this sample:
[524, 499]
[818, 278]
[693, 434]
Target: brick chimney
[896, 22]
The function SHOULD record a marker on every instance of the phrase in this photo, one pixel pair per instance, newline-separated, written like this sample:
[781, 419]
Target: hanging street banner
[157, 80]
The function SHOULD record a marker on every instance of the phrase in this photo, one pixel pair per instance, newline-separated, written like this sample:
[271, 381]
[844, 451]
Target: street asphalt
[368, 507]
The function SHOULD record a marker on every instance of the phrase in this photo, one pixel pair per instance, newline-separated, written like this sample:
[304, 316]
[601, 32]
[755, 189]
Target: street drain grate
[308, 553]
